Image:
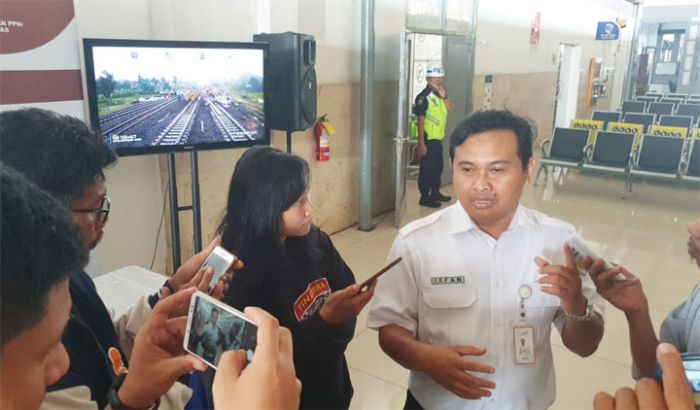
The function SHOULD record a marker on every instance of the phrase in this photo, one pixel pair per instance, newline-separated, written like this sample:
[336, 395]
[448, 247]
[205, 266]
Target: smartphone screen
[214, 327]
[691, 364]
[221, 260]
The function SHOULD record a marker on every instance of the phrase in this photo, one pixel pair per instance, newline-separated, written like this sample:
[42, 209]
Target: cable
[160, 227]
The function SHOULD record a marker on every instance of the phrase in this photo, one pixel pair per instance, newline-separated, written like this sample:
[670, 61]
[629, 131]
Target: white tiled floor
[645, 232]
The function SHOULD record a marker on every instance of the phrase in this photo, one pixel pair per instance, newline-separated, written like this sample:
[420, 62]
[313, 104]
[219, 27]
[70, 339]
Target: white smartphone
[214, 327]
[221, 260]
[580, 249]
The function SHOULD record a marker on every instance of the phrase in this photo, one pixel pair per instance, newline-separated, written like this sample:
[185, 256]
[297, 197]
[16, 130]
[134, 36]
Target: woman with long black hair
[292, 270]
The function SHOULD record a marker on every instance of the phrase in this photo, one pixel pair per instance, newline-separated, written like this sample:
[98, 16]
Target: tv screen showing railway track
[163, 96]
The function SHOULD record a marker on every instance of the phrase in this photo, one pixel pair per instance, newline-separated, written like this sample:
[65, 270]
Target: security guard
[431, 108]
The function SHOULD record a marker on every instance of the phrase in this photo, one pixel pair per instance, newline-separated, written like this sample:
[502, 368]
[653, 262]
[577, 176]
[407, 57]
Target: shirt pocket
[540, 310]
[447, 314]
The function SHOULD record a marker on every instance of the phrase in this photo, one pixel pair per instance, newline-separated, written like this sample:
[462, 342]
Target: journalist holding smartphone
[681, 328]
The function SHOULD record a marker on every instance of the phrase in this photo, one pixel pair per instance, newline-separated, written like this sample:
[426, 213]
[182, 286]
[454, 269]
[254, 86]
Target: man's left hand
[564, 282]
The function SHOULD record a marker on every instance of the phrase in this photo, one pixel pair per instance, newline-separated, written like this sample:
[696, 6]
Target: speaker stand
[175, 209]
[289, 142]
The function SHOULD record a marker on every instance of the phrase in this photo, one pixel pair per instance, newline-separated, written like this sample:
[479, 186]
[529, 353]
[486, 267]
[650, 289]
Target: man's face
[434, 81]
[36, 358]
[90, 225]
[214, 317]
[694, 241]
[488, 178]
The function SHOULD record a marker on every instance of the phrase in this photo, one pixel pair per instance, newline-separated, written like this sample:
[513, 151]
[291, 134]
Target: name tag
[447, 280]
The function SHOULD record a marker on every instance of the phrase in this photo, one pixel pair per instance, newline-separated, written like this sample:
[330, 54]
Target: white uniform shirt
[458, 285]
[211, 335]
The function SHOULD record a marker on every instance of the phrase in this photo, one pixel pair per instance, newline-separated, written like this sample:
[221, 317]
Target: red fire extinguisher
[322, 132]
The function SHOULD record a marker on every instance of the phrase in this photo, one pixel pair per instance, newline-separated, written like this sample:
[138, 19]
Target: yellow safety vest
[435, 118]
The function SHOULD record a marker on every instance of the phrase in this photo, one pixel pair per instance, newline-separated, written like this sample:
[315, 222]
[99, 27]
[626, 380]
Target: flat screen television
[150, 97]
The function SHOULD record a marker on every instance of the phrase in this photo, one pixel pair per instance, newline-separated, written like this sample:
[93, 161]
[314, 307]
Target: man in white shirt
[212, 337]
[481, 275]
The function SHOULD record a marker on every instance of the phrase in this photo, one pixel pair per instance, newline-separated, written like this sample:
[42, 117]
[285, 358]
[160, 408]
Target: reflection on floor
[645, 232]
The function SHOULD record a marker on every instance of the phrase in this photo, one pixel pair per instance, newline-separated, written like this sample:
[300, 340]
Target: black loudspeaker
[290, 80]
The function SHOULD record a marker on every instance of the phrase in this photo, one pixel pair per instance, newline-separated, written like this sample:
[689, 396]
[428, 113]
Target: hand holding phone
[156, 360]
[691, 368]
[214, 327]
[221, 261]
[581, 251]
[269, 380]
[385, 269]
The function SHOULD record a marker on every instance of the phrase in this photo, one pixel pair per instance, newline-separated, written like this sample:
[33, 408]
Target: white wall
[503, 32]
[134, 183]
[503, 37]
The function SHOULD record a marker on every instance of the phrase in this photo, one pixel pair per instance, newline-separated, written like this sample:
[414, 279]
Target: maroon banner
[22, 87]
[28, 24]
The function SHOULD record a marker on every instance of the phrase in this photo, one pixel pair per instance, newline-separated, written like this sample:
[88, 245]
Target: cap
[435, 70]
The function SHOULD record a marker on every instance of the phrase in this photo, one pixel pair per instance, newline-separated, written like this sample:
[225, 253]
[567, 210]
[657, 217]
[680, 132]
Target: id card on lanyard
[523, 332]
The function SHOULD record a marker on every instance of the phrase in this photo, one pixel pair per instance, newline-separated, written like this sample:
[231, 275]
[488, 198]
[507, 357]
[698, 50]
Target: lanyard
[524, 293]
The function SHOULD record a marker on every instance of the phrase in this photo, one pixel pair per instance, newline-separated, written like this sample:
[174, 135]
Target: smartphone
[221, 260]
[366, 283]
[214, 327]
[580, 249]
[691, 363]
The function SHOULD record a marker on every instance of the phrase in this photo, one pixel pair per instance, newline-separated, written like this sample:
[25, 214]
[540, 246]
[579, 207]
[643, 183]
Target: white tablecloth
[121, 288]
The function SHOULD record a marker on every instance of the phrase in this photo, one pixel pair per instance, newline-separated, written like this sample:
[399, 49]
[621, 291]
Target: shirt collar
[459, 220]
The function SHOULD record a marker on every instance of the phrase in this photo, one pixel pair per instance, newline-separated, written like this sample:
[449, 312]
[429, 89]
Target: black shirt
[319, 348]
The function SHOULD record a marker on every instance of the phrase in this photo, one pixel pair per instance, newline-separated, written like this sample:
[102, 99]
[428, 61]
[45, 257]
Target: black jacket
[90, 339]
[319, 348]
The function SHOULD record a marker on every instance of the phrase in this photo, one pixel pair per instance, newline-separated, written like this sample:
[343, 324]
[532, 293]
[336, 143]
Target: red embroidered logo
[311, 300]
[117, 363]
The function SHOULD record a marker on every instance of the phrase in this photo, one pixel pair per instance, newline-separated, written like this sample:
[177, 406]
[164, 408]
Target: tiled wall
[532, 95]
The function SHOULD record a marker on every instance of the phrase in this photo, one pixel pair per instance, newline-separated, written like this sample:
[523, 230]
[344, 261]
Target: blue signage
[607, 30]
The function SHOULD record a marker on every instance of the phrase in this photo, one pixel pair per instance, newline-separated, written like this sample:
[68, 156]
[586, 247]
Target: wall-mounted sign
[488, 90]
[535, 29]
[607, 30]
[39, 60]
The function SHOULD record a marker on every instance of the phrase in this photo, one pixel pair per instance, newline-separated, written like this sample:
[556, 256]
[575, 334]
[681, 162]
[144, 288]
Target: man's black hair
[57, 152]
[40, 246]
[490, 120]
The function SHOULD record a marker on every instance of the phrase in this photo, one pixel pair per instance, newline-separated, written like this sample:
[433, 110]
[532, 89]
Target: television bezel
[90, 80]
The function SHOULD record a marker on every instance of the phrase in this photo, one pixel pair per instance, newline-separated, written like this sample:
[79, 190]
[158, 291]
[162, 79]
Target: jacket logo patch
[312, 299]
[447, 280]
[117, 363]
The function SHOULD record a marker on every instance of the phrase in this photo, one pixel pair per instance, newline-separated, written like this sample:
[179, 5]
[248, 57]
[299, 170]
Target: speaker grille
[308, 95]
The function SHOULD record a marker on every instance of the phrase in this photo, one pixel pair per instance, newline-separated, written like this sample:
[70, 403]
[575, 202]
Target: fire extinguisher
[322, 132]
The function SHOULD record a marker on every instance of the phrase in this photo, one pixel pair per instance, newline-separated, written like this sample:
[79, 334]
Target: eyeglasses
[101, 213]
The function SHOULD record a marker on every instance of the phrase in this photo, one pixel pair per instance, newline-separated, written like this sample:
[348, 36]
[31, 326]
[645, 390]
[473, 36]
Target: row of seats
[678, 96]
[662, 107]
[655, 156]
[648, 119]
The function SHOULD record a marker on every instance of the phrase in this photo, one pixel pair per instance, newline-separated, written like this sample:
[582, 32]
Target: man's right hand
[626, 295]
[421, 150]
[157, 359]
[448, 367]
[269, 381]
